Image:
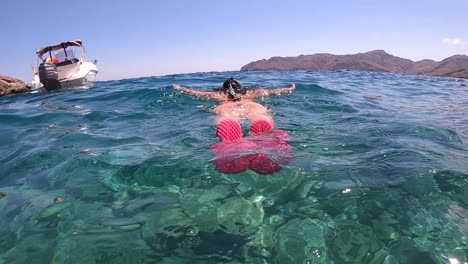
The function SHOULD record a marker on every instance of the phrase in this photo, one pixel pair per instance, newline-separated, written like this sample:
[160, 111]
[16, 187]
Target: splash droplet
[316, 252]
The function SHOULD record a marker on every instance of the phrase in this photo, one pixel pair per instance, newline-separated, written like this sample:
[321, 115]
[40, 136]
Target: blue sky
[151, 37]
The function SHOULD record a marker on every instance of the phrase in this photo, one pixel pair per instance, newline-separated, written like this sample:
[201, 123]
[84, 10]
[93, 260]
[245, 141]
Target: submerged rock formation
[376, 60]
[9, 85]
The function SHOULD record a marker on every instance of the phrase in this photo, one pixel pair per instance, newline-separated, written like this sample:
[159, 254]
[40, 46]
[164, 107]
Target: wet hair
[233, 89]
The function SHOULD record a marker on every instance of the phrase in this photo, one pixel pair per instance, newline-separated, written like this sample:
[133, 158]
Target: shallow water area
[122, 173]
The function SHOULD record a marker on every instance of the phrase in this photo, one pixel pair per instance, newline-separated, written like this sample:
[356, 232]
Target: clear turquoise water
[379, 175]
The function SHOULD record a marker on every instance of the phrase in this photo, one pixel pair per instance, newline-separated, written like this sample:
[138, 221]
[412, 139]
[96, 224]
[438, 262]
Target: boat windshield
[62, 56]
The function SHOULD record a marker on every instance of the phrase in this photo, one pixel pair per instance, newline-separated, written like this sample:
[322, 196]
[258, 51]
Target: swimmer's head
[233, 89]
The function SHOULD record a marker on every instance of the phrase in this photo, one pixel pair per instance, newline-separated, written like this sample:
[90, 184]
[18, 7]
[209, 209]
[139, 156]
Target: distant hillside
[376, 60]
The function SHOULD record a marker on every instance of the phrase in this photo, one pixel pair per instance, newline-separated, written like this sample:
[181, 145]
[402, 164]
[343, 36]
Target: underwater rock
[438, 226]
[189, 243]
[26, 226]
[275, 220]
[385, 232]
[406, 251]
[216, 247]
[117, 247]
[113, 229]
[420, 185]
[205, 217]
[423, 223]
[95, 221]
[390, 260]
[239, 216]
[448, 240]
[112, 221]
[195, 198]
[91, 193]
[277, 186]
[349, 203]
[163, 230]
[386, 225]
[301, 241]
[22, 205]
[455, 184]
[379, 257]
[150, 201]
[205, 196]
[267, 204]
[2, 194]
[306, 208]
[201, 205]
[458, 215]
[170, 222]
[54, 210]
[260, 245]
[309, 187]
[173, 235]
[354, 243]
[31, 248]
[22, 213]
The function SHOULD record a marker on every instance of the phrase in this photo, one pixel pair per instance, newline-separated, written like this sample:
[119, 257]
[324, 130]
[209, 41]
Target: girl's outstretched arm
[264, 92]
[204, 94]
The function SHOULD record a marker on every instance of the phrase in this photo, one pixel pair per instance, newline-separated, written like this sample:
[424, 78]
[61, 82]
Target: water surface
[122, 173]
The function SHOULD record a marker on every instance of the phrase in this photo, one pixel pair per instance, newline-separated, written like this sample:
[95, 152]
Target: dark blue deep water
[122, 173]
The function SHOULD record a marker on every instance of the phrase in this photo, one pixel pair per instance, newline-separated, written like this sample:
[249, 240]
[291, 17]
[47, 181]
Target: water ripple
[379, 172]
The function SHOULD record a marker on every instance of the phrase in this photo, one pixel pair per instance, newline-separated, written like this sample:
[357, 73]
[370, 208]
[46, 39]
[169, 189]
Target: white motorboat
[60, 68]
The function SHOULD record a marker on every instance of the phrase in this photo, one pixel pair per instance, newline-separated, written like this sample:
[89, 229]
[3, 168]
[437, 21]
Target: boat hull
[86, 81]
[81, 75]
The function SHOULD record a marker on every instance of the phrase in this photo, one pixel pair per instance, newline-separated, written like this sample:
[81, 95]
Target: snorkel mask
[233, 89]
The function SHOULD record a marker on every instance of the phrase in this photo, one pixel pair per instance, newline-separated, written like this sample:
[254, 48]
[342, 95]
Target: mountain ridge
[374, 60]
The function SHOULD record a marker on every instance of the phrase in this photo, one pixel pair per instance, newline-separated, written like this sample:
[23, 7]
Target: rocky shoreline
[9, 85]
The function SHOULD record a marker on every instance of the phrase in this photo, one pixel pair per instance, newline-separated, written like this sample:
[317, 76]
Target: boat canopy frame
[63, 45]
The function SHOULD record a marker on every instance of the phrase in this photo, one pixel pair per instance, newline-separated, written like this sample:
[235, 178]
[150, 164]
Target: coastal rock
[9, 85]
[376, 60]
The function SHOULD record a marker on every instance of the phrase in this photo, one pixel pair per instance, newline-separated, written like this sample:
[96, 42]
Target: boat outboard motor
[48, 75]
